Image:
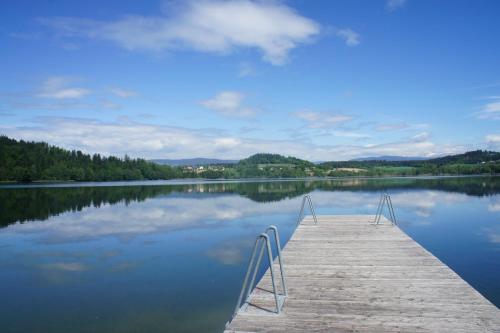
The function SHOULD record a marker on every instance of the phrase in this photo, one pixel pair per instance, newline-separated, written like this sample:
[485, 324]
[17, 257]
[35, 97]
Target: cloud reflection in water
[169, 213]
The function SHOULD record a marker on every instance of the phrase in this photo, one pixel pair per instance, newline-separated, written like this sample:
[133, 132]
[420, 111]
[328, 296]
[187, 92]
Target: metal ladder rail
[380, 208]
[385, 199]
[262, 242]
[311, 208]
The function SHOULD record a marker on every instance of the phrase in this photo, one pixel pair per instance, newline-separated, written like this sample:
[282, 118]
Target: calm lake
[170, 257]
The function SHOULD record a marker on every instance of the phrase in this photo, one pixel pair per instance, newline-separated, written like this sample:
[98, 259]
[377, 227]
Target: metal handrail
[385, 199]
[262, 242]
[311, 208]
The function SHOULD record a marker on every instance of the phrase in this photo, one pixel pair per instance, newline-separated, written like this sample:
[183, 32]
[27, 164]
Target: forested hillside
[28, 161]
[473, 162]
[273, 159]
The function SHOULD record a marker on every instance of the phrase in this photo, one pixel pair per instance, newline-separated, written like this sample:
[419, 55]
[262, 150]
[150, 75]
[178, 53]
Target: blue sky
[321, 80]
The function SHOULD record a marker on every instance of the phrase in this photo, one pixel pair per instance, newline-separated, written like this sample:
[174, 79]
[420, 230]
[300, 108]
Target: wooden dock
[347, 275]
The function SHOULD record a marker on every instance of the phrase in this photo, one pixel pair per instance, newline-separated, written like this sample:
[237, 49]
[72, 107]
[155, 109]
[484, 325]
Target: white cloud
[60, 93]
[350, 134]
[105, 104]
[351, 37]
[122, 93]
[493, 138]
[493, 141]
[322, 119]
[57, 88]
[421, 137]
[246, 69]
[395, 4]
[418, 145]
[229, 103]
[156, 141]
[209, 26]
[385, 127]
[227, 143]
[490, 111]
[52, 105]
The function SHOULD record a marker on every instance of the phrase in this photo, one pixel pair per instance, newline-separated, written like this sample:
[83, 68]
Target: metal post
[270, 258]
[311, 207]
[384, 202]
[378, 208]
[391, 210]
[257, 265]
[278, 247]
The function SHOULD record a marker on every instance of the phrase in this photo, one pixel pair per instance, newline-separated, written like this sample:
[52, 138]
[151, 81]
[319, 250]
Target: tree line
[26, 161]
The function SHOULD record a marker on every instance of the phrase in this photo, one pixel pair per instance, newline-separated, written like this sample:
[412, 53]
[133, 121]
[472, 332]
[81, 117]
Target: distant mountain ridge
[193, 161]
[265, 158]
[390, 158]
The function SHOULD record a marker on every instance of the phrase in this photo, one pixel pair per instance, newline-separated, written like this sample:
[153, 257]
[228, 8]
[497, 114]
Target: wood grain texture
[345, 274]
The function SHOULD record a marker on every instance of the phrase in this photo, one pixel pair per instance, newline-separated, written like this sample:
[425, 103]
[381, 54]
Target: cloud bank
[156, 141]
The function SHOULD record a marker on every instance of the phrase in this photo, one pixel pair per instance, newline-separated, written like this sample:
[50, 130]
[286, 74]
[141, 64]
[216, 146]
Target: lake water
[170, 257]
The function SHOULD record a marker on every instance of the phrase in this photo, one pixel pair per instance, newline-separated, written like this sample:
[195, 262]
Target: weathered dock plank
[345, 274]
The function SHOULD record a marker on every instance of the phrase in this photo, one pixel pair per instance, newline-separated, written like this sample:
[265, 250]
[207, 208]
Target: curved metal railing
[311, 208]
[262, 242]
[385, 199]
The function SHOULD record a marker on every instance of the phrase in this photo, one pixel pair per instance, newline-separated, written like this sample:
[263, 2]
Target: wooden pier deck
[347, 275]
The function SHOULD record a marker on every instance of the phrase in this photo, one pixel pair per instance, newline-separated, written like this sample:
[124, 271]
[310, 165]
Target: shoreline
[194, 181]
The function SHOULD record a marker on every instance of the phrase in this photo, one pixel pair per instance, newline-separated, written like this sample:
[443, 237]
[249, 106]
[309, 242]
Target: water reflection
[172, 258]
[494, 205]
[161, 214]
[230, 252]
[21, 204]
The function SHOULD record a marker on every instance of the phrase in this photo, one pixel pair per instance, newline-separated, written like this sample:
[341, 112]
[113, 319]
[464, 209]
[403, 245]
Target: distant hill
[260, 159]
[470, 157]
[193, 161]
[390, 158]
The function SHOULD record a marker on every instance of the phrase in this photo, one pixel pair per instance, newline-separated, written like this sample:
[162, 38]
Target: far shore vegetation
[24, 161]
